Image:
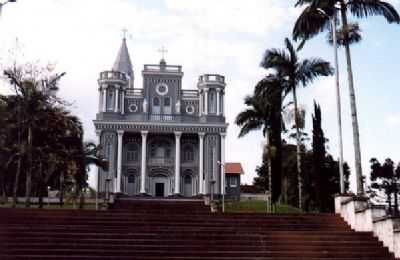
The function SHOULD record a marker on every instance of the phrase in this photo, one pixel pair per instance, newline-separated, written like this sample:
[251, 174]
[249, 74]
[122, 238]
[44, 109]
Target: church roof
[123, 62]
[233, 168]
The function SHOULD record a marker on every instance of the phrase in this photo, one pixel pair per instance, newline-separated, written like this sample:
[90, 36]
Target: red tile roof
[233, 168]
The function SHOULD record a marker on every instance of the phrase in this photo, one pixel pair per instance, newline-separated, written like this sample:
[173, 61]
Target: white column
[200, 103]
[116, 100]
[143, 166]
[223, 135]
[206, 101]
[177, 162]
[222, 103]
[122, 101]
[201, 163]
[119, 160]
[98, 133]
[104, 99]
[100, 100]
[218, 101]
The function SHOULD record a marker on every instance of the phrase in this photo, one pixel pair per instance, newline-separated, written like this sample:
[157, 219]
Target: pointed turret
[123, 62]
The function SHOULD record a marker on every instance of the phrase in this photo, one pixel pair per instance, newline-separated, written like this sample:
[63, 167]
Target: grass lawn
[258, 206]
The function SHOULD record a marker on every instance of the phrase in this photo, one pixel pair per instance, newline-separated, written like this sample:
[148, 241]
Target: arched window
[160, 149]
[156, 106]
[132, 152]
[167, 101]
[110, 99]
[156, 102]
[108, 150]
[188, 153]
[167, 106]
[131, 175]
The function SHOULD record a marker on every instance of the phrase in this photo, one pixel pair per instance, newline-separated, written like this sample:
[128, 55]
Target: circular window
[162, 89]
[190, 109]
[133, 108]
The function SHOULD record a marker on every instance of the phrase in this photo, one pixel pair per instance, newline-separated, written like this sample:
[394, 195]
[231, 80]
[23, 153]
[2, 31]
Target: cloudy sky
[227, 37]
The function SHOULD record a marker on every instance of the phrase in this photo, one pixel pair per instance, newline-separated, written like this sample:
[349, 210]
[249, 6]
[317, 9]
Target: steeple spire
[123, 61]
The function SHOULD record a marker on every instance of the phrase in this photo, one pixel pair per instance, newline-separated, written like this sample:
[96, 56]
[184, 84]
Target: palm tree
[315, 18]
[296, 73]
[264, 112]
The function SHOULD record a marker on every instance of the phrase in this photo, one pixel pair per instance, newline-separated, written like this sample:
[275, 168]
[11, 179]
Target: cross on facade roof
[163, 51]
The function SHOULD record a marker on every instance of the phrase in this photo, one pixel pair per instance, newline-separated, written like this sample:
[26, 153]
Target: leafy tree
[297, 73]
[42, 137]
[386, 177]
[315, 18]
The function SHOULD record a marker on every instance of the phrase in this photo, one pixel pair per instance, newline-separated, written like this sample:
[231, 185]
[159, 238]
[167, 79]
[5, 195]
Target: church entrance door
[187, 191]
[159, 189]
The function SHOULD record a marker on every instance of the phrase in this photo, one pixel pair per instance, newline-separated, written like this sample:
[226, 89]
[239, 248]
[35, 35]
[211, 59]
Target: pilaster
[177, 162]
[201, 163]
[222, 164]
[104, 99]
[218, 101]
[119, 161]
[116, 103]
[143, 165]
[206, 101]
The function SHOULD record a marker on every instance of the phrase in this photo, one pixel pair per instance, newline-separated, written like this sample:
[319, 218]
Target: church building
[160, 139]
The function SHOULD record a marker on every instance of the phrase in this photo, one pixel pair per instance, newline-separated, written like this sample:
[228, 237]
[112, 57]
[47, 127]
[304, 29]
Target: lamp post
[6, 2]
[333, 21]
[222, 184]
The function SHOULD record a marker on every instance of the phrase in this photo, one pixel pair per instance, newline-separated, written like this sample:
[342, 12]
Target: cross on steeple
[163, 51]
[124, 33]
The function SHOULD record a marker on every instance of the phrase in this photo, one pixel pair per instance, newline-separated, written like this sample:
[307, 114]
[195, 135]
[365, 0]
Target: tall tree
[319, 153]
[264, 112]
[315, 18]
[296, 73]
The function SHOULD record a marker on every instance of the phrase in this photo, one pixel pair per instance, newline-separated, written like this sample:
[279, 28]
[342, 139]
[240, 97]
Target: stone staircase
[174, 229]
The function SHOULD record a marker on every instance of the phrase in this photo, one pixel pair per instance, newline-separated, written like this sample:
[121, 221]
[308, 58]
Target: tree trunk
[20, 153]
[61, 189]
[28, 183]
[298, 149]
[81, 198]
[396, 201]
[275, 139]
[285, 189]
[3, 199]
[353, 106]
[338, 105]
[16, 181]
[269, 161]
[390, 203]
[41, 186]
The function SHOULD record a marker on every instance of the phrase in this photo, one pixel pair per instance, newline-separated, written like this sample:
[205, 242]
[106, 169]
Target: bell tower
[113, 84]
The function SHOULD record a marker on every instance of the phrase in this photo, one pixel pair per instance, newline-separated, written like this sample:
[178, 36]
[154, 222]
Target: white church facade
[161, 140]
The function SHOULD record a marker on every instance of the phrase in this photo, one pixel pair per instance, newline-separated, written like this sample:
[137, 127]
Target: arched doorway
[132, 182]
[187, 186]
[159, 185]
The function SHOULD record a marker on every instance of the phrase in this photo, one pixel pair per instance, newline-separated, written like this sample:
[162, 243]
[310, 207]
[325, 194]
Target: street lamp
[338, 102]
[222, 184]
[6, 2]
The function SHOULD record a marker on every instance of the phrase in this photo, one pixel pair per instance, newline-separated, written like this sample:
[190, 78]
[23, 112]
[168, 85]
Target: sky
[228, 37]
